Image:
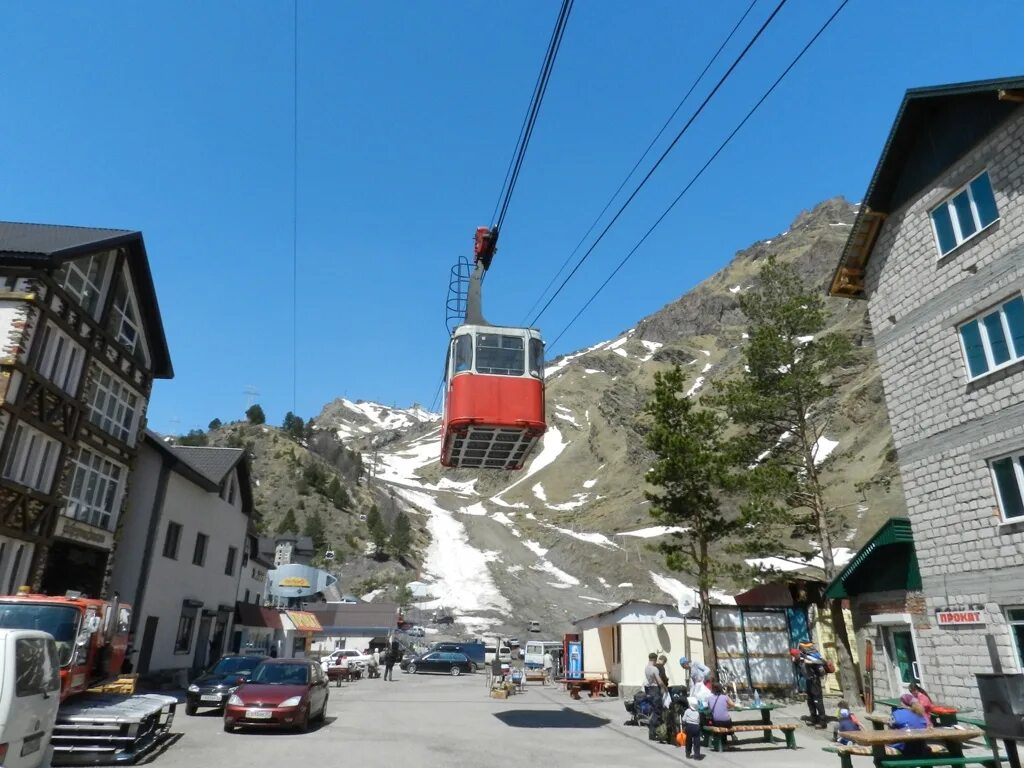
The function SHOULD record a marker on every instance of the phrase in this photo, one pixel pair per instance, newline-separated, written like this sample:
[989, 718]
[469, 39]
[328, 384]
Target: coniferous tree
[314, 528]
[401, 536]
[288, 523]
[194, 437]
[378, 531]
[781, 400]
[293, 425]
[337, 494]
[216, 424]
[255, 414]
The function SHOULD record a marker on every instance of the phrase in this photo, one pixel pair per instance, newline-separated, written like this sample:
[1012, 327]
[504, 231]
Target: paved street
[425, 721]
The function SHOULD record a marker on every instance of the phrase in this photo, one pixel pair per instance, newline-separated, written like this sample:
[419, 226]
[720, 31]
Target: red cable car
[494, 376]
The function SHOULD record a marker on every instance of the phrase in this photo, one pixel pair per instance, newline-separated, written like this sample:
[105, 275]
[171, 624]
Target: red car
[282, 693]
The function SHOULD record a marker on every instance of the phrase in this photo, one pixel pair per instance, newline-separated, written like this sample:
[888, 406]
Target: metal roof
[212, 463]
[888, 561]
[49, 245]
[934, 127]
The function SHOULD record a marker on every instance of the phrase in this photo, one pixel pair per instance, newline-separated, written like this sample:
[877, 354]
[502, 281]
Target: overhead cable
[642, 157]
[700, 173]
[664, 154]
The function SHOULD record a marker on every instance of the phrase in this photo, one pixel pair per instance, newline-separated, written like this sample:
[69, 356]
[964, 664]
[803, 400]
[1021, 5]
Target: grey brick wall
[944, 427]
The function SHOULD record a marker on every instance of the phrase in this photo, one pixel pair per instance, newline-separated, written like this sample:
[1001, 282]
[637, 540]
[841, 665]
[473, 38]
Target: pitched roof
[207, 467]
[49, 245]
[212, 463]
[934, 127]
[888, 561]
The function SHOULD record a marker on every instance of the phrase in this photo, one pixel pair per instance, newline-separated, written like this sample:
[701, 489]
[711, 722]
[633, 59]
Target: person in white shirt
[549, 667]
[698, 674]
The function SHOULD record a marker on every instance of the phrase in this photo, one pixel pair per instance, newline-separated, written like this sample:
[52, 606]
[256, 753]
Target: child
[847, 722]
[691, 726]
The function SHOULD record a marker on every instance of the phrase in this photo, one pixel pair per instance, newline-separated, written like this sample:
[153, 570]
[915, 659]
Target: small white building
[617, 642]
[179, 559]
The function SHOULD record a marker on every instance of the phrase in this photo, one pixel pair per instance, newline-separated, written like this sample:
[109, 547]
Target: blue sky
[176, 119]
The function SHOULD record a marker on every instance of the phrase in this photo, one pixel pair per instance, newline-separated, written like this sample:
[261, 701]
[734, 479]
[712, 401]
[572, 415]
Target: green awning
[887, 562]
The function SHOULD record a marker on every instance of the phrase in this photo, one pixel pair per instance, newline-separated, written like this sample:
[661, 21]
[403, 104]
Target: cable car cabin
[494, 404]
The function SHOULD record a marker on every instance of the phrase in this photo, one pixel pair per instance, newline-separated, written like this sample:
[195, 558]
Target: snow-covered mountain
[570, 535]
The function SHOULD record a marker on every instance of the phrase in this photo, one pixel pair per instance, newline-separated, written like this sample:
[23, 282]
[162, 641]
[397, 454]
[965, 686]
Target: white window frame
[87, 500]
[1018, 472]
[114, 393]
[128, 315]
[955, 219]
[73, 266]
[60, 359]
[32, 458]
[986, 344]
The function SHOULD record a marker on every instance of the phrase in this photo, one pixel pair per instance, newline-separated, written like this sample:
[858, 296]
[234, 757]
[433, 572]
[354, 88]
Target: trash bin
[1002, 699]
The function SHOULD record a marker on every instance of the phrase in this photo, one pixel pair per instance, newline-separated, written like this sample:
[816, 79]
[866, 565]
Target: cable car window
[500, 354]
[463, 353]
[537, 358]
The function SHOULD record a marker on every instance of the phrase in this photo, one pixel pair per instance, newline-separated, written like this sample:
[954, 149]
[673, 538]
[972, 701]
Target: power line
[642, 157]
[664, 154]
[295, 204]
[700, 173]
[512, 174]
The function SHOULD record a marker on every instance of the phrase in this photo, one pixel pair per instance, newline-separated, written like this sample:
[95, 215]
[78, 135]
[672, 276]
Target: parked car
[444, 620]
[29, 695]
[212, 688]
[441, 661]
[416, 631]
[513, 642]
[406, 659]
[284, 693]
[534, 626]
[355, 658]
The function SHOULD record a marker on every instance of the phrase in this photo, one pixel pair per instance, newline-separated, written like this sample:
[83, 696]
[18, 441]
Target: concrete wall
[638, 640]
[944, 427]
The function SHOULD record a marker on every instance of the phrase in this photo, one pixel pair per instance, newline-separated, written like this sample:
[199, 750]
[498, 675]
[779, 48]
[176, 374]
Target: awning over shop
[249, 615]
[887, 562]
[304, 621]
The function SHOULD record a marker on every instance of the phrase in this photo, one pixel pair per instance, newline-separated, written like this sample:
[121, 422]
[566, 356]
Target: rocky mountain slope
[569, 535]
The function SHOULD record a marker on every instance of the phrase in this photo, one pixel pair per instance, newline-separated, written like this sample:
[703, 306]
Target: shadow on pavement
[547, 718]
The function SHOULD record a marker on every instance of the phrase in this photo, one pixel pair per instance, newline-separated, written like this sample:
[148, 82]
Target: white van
[503, 651]
[535, 650]
[29, 697]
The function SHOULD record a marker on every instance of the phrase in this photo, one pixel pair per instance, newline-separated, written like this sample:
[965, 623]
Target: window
[36, 669]
[966, 213]
[995, 339]
[246, 600]
[463, 353]
[1008, 478]
[186, 624]
[113, 407]
[537, 358]
[199, 553]
[171, 540]
[96, 488]
[1015, 617]
[124, 315]
[32, 459]
[500, 354]
[83, 279]
[229, 567]
[60, 359]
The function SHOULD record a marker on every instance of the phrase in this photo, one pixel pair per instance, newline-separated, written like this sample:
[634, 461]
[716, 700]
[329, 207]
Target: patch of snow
[840, 556]
[838, 224]
[657, 530]
[804, 339]
[681, 593]
[515, 569]
[566, 417]
[592, 370]
[536, 548]
[476, 624]
[466, 488]
[530, 516]
[744, 335]
[736, 289]
[552, 446]
[503, 503]
[546, 566]
[619, 342]
[578, 501]
[696, 385]
[595, 600]
[502, 518]
[603, 582]
[746, 369]
[589, 483]
[626, 584]
[369, 596]
[707, 367]
[621, 353]
[592, 538]
[538, 491]
[706, 353]
[474, 509]
[823, 448]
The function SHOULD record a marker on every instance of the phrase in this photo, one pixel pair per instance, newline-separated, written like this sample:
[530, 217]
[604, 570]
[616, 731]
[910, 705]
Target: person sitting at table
[922, 696]
[910, 717]
[847, 722]
[718, 707]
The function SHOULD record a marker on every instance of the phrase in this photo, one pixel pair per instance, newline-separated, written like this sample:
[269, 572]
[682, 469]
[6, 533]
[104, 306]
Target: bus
[535, 650]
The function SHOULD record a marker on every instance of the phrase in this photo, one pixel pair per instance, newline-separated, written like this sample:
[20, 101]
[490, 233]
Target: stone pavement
[424, 721]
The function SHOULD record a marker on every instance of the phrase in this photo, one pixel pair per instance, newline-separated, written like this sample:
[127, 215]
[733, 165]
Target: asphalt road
[422, 721]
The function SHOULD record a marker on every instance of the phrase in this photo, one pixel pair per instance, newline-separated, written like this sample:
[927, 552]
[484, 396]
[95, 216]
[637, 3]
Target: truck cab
[29, 696]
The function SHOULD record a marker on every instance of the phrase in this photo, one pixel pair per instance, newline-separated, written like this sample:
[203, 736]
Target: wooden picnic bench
[715, 735]
[535, 676]
[341, 674]
[880, 744]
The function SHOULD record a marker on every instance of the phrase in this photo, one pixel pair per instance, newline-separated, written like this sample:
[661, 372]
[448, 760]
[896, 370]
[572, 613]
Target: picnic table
[339, 674]
[598, 686]
[715, 735]
[952, 739]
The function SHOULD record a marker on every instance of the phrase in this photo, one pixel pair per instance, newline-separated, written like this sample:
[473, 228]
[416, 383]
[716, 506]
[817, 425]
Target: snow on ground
[536, 548]
[458, 571]
[565, 580]
[465, 488]
[626, 584]
[476, 624]
[530, 516]
[400, 468]
[503, 503]
[657, 530]
[840, 556]
[651, 347]
[551, 370]
[736, 289]
[595, 600]
[706, 353]
[567, 417]
[578, 500]
[804, 339]
[823, 448]
[744, 335]
[592, 370]
[551, 446]
[514, 569]
[696, 385]
[474, 509]
[592, 538]
[590, 483]
[538, 491]
[621, 352]
[707, 367]
[369, 596]
[604, 583]
[383, 417]
[681, 593]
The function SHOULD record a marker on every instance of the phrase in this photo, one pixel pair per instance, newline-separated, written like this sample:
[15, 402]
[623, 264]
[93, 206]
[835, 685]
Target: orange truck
[91, 635]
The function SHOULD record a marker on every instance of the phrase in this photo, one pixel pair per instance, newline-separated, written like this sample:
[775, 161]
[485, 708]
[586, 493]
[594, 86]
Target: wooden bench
[537, 677]
[714, 735]
[847, 751]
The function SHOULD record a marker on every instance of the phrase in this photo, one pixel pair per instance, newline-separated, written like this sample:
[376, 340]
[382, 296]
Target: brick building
[938, 250]
[81, 340]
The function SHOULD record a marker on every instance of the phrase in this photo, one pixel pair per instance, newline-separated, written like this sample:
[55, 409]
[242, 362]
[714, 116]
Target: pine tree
[782, 402]
[293, 425]
[337, 494]
[194, 437]
[288, 523]
[314, 528]
[401, 536]
[378, 531]
[216, 424]
[255, 414]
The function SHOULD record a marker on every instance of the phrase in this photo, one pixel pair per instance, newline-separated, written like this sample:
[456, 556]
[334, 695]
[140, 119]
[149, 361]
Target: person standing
[691, 726]
[812, 669]
[390, 658]
[655, 691]
[549, 668]
[699, 674]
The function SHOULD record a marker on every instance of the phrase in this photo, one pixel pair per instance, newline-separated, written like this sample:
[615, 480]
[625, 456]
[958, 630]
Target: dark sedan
[441, 661]
[286, 693]
[214, 686]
